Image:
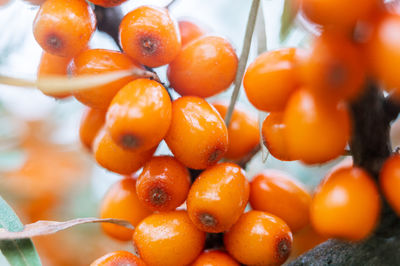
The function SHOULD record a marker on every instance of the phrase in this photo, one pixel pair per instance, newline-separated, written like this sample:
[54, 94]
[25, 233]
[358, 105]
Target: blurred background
[45, 173]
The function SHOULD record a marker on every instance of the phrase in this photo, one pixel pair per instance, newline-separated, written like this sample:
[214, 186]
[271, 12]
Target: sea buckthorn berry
[215, 258]
[163, 184]
[390, 182]
[122, 202]
[52, 65]
[305, 240]
[189, 31]
[259, 238]
[64, 28]
[150, 36]
[271, 78]
[204, 67]
[118, 258]
[218, 197]
[346, 205]
[139, 115]
[197, 135]
[107, 3]
[168, 238]
[316, 131]
[334, 69]
[98, 61]
[116, 159]
[243, 132]
[273, 134]
[91, 123]
[275, 192]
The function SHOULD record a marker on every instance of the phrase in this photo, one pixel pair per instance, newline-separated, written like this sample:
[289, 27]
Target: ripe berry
[150, 36]
[163, 184]
[390, 182]
[218, 197]
[112, 157]
[189, 31]
[64, 28]
[139, 115]
[107, 3]
[122, 202]
[346, 205]
[215, 258]
[168, 238]
[271, 79]
[259, 238]
[99, 61]
[316, 131]
[92, 121]
[204, 67]
[275, 192]
[304, 240]
[118, 258]
[243, 132]
[197, 135]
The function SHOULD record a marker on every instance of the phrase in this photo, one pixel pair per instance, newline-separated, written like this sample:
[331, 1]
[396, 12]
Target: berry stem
[170, 4]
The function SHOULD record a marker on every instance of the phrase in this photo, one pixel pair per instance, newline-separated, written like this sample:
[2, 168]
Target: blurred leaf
[288, 15]
[19, 252]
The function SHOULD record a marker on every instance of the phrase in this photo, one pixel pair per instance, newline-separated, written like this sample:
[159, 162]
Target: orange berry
[100, 61]
[204, 67]
[197, 135]
[64, 28]
[305, 240]
[390, 182]
[335, 68]
[243, 132]
[163, 184]
[346, 205]
[259, 238]
[139, 115]
[92, 121]
[215, 258]
[168, 238]
[316, 131]
[218, 197]
[52, 65]
[275, 192]
[271, 79]
[112, 157]
[118, 258]
[107, 3]
[274, 136]
[189, 31]
[122, 202]
[150, 36]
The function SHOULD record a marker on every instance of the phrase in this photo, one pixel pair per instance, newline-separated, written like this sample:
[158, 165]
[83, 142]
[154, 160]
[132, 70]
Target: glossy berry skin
[163, 184]
[122, 202]
[118, 258]
[277, 193]
[150, 36]
[243, 131]
[259, 238]
[197, 135]
[91, 123]
[334, 69]
[218, 197]
[100, 61]
[346, 205]
[273, 132]
[390, 182]
[204, 67]
[316, 131]
[52, 65]
[139, 115]
[114, 158]
[215, 258]
[271, 79]
[64, 28]
[189, 31]
[168, 238]
[107, 3]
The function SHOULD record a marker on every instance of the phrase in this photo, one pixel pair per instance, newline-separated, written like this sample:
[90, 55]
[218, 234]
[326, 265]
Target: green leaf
[20, 252]
[287, 19]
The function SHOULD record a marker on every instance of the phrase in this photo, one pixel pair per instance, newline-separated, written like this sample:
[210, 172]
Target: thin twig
[260, 29]
[243, 58]
[171, 3]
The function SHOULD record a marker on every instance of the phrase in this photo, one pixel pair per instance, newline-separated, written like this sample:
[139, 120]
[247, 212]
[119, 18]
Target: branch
[108, 20]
